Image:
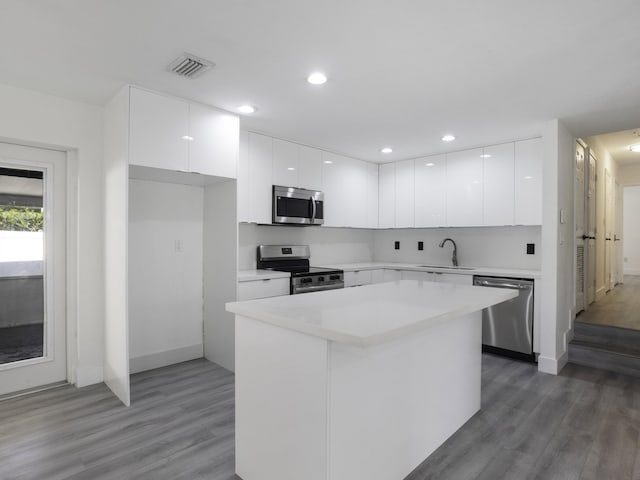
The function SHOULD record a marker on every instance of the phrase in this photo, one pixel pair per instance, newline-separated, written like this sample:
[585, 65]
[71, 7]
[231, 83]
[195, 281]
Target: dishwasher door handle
[515, 286]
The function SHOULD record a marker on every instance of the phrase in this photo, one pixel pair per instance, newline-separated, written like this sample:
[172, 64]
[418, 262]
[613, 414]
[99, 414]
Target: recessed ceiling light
[317, 78]
[328, 162]
[635, 148]
[485, 155]
[291, 169]
[187, 137]
[527, 177]
[448, 138]
[386, 150]
[246, 109]
[430, 164]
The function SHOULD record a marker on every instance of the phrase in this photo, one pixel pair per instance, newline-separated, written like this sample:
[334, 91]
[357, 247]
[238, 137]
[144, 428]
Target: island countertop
[371, 314]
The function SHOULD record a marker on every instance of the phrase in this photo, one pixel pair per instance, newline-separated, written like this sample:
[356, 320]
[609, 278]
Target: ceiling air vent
[190, 66]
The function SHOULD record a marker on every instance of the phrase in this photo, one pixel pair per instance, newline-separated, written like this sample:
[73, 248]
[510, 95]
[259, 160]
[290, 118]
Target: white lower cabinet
[461, 279]
[263, 288]
[357, 278]
[391, 275]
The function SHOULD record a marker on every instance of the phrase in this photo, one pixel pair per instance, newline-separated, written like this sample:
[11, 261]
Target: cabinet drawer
[268, 287]
[357, 277]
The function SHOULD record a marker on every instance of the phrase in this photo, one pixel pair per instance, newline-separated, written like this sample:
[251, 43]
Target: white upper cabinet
[172, 134]
[309, 168]
[464, 188]
[528, 182]
[430, 191]
[260, 181]
[405, 194]
[344, 183]
[372, 195]
[213, 148]
[158, 131]
[498, 191]
[285, 163]
[242, 187]
[387, 196]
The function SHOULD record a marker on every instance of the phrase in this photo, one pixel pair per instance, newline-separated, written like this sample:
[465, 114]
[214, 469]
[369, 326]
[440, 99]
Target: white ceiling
[618, 143]
[401, 73]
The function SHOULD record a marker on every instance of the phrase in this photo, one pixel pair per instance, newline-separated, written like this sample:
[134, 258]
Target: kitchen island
[360, 383]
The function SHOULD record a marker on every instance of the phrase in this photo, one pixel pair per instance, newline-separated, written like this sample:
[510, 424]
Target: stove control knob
[321, 279]
[334, 277]
[306, 280]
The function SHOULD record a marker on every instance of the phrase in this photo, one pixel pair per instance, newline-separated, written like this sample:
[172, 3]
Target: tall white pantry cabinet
[170, 168]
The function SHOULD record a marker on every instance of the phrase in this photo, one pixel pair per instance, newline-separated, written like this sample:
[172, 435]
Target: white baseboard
[162, 359]
[552, 365]
[631, 271]
[600, 293]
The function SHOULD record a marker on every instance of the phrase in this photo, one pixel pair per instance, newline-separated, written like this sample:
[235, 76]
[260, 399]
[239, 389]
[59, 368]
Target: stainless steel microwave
[297, 206]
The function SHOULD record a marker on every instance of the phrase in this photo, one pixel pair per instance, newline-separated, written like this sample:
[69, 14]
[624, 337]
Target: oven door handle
[314, 288]
[313, 209]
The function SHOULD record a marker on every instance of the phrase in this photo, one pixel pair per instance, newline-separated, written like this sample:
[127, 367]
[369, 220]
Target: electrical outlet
[531, 248]
[177, 246]
[396, 245]
[420, 245]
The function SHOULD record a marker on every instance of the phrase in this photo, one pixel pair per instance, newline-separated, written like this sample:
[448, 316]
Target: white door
[608, 228]
[590, 260]
[580, 226]
[617, 236]
[32, 268]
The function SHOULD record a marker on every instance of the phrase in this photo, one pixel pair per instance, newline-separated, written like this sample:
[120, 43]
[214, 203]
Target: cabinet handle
[266, 279]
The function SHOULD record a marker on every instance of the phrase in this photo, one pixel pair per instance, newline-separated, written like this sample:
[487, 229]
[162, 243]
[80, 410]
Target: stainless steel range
[295, 259]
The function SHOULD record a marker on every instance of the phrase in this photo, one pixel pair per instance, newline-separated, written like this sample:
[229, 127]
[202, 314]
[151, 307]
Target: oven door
[297, 206]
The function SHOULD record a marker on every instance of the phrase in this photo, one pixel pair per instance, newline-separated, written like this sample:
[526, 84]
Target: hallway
[619, 308]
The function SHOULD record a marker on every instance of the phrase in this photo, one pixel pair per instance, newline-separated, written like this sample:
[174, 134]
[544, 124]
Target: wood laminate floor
[582, 424]
[618, 308]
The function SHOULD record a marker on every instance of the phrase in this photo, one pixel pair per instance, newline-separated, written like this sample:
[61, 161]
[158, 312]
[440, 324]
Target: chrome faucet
[454, 258]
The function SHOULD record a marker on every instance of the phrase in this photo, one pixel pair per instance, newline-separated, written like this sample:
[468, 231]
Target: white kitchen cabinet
[461, 279]
[309, 168]
[285, 163]
[344, 182]
[172, 134]
[372, 195]
[415, 275]
[357, 277]
[377, 276]
[387, 196]
[260, 181]
[498, 186]
[430, 191]
[213, 148]
[405, 200]
[158, 131]
[242, 187]
[464, 188]
[392, 275]
[528, 182]
[263, 288]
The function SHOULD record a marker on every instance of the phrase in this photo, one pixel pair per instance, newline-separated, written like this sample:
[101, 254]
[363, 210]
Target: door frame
[71, 251]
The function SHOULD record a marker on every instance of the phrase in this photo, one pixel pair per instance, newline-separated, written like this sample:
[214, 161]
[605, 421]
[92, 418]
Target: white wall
[328, 245]
[477, 246]
[558, 269]
[165, 273]
[629, 174]
[33, 118]
[631, 232]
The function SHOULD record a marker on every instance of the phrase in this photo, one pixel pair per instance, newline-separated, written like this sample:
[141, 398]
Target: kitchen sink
[446, 267]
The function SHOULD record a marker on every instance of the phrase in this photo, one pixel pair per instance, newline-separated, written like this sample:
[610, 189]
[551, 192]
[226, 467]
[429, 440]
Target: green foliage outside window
[21, 220]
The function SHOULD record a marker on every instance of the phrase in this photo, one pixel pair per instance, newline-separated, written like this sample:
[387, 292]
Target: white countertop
[371, 314]
[499, 272]
[251, 275]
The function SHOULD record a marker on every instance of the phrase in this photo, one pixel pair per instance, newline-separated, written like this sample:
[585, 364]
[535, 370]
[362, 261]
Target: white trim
[162, 359]
[552, 365]
[631, 271]
[600, 293]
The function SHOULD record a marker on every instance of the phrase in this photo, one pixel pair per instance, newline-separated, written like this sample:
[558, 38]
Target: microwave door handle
[313, 209]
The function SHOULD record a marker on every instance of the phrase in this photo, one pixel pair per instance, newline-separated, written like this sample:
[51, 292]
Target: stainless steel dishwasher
[507, 328]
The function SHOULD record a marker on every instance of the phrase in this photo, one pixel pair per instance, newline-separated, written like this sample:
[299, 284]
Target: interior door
[33, 349]
[579, 202]
[608, 228]
[617, 236]
[590, 259]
